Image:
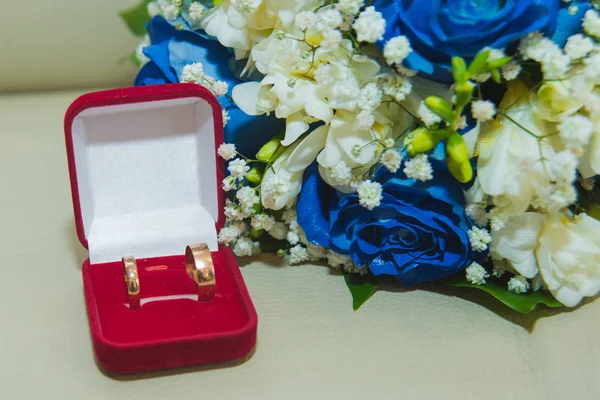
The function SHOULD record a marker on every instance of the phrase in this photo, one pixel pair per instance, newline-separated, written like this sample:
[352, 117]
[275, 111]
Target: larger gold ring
[132, 280]
[199, 266]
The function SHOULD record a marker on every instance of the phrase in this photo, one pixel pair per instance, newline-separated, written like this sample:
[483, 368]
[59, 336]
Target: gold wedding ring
[199, 266]
[132, 280]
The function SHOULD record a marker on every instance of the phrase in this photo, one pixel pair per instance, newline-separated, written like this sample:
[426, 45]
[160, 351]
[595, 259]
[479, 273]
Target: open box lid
[144, 170]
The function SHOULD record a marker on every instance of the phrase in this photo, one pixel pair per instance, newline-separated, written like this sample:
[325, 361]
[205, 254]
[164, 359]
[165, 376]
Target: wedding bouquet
[456, 141]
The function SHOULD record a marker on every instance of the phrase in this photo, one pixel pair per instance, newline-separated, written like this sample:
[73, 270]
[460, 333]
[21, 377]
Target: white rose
[568, 257]
[518, 240]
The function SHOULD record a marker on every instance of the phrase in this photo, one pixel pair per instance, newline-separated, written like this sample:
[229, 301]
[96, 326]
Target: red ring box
[145, 182]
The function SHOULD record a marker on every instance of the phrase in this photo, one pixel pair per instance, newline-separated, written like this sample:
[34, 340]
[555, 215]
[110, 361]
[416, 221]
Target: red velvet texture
[139, 94]
[168, 333]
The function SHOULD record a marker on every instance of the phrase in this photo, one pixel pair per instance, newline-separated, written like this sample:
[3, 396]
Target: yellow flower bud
[440, 106]
[422, 140]
[456, 148]
[464, 93]
[255, 175]
[462, 172]
[270, 148]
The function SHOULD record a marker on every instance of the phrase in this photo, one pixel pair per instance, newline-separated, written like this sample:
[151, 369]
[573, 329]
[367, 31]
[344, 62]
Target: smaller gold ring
[132, 280]
[199, 266]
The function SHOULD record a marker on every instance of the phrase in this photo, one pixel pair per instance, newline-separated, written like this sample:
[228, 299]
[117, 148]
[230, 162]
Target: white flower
[557, 67]
[563, 166]
[578, 46]
[461, 122]
[350, 7]
[229, 183]
[192, 73]
[396, 50]
[228, 235]
[245, 247]
[370, 26]
[279, 231]
[370, 97]
[483, 110]
[364, 120]
[591, 23]
[476, 274]
[569, 257]
[575, 131]
[324, 74]
[391, 160]
[153, 9]
[479, 238]
[369, 194]
[495, 54]
[196, 11]
[591, 70]
[476, 212]
[262, 222]
[428, 117]
[316, 253]
[346, 95]
[517, 242]
[518, 284]
[298, 255]
[238, 168]
[276, 186]
[498, 219]
[331, 39]
[341, 173]
[511, 71]
[305, 20]
[227, 151]
[169, 10]
[247, 197]
[233, 211]
[561, 195]
[329, 18]
[510, 166]
[246, 6]
[220, 88]
[396, 86]
[226, 117]
[419, 168]
[293, 237]
[338, 261]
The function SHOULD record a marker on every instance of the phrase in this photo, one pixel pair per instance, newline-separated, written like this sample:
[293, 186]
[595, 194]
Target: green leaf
[361, 288]
[523, 303]
[478, 64]
[136, 17]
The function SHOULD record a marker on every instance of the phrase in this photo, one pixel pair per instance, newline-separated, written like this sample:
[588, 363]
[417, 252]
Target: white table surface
[402, 344]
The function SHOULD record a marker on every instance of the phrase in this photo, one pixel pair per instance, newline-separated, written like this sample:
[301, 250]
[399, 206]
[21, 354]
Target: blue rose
[172, 49]
[417, 234]
[441, 29]
[570, 19]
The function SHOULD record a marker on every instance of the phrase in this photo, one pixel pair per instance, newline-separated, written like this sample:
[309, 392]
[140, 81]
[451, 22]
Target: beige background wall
[50, 44]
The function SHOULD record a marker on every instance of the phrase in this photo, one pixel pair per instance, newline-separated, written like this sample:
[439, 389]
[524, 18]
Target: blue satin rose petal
[570, 24]
[441, 29]
[417, 234]
[313, 207]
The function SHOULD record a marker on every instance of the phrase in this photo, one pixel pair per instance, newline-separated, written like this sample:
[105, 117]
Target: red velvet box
[145, 182]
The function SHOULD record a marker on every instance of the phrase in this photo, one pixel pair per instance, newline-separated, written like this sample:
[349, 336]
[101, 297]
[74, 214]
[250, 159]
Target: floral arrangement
[449, 141]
